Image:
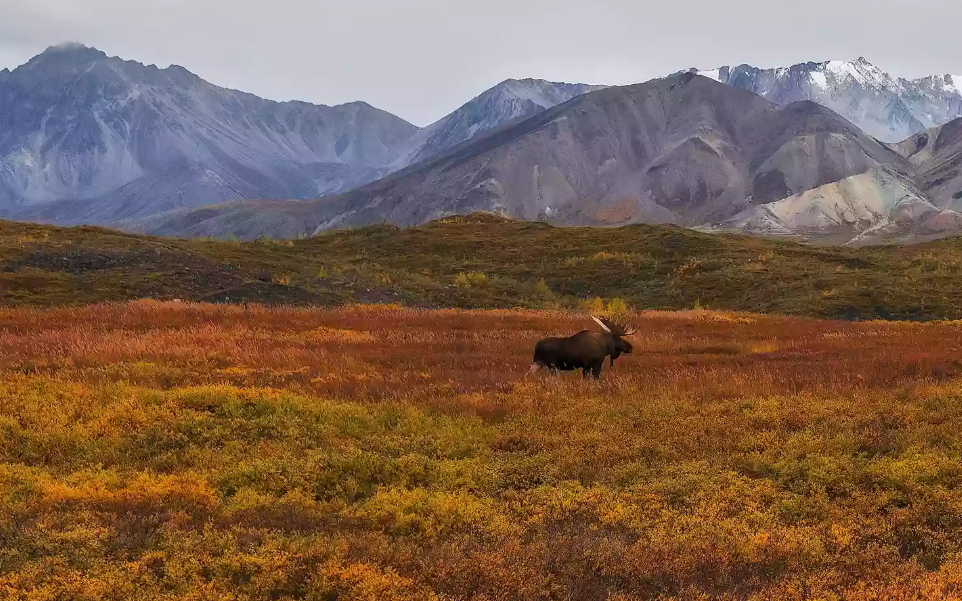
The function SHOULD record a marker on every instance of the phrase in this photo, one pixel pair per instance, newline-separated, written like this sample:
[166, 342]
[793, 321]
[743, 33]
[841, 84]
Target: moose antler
[603, 323]
[622, 331]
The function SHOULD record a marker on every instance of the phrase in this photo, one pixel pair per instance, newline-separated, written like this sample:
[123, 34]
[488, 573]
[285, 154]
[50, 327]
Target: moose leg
[596, 369]
[614, 356]
[535, 368]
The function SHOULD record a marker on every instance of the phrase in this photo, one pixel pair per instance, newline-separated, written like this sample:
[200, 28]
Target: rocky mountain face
[684, 150]
[85, 138]
[509, 101]
[936, 155]
[886, 107]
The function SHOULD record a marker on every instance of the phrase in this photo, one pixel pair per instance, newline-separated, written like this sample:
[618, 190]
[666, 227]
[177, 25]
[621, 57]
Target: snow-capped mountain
[509, 101]
[85, 138]
[89, 138]
[887, 107]
[683, 150]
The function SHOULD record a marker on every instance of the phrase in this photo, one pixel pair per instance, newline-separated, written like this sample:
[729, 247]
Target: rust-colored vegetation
[178, 451]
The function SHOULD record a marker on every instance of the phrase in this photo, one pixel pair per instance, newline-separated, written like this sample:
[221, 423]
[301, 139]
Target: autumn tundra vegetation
[157, 450]
[486, 262]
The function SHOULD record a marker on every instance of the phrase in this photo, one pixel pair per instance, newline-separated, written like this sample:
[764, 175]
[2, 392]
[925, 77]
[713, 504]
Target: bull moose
[585, 350]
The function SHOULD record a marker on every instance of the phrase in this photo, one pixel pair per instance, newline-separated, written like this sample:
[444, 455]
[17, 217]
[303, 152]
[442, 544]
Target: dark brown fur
[585, 350]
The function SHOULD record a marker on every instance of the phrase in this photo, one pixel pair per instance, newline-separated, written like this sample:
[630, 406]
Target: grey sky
[422, 58]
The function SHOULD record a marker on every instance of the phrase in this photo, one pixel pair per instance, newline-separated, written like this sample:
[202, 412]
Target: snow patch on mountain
[819, 79]
[714, 74]
[887, 107]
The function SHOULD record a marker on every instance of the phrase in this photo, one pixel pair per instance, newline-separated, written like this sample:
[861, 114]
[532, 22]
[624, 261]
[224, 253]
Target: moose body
[585, 350]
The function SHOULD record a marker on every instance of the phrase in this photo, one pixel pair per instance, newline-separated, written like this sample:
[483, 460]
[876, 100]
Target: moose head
[619, 332]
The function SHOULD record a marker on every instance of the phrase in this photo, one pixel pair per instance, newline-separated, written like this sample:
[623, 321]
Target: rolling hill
[485, 261]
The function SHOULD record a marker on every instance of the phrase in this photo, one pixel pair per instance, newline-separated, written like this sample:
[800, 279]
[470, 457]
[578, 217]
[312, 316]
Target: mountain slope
[509, 101]
[877, 206]
[887, 107]
[937, 155]
[683, 150]
[89, 138]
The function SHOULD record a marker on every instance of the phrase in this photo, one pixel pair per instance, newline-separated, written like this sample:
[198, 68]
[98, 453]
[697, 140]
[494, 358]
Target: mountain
[877, 206]
[683, 150]
[937, 155]
[511, 100]
[86, 138]
[887, 107]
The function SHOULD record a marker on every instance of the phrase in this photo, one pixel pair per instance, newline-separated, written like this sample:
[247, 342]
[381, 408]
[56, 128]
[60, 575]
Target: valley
[338, 301]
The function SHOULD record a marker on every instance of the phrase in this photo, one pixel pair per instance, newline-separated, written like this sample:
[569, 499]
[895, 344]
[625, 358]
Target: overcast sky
[420, 59]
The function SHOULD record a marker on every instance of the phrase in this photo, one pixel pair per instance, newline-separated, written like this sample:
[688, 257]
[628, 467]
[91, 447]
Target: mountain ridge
[108, 141]
[510, 100]
[685, 150]
[103, 177]
[888, 107]
[81, 126]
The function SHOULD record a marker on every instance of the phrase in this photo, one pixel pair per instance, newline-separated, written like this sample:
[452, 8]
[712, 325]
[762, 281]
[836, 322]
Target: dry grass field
[176, 451]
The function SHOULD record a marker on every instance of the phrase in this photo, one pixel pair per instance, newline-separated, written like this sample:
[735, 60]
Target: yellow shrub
[471, 279]
[542, 289]
[618, 307]
[594, 305]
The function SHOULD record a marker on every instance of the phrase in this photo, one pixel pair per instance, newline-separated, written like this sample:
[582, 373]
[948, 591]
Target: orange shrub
[182, 451]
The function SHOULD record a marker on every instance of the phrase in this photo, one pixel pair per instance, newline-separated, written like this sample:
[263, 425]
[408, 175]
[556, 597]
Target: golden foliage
[180, 451]
[471, 279]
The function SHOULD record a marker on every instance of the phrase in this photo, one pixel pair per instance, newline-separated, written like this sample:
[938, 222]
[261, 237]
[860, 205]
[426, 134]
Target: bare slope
[683, 150]
[511, 100]
[86, 138]
[937, 154]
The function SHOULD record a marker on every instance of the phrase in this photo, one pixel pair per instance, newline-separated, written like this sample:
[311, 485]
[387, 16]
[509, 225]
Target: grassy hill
[482, 261]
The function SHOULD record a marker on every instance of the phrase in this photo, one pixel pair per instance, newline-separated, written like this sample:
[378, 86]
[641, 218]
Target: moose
[585, 350]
